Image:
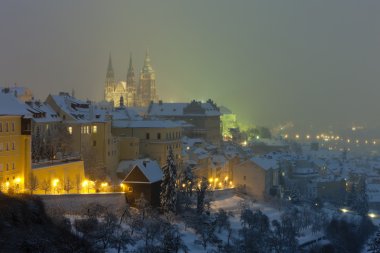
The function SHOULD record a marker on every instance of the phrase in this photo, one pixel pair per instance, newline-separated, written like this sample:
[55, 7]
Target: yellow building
[60, 178]
[156, 137]
[89, 129]
[15, 144]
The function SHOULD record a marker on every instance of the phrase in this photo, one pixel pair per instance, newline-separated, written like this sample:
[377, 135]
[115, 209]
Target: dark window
[244, 177]
[159, 136]
[94, 143]
[147, 136]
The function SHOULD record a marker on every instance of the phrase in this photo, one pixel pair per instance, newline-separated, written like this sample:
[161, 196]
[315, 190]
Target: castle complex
[130, 93]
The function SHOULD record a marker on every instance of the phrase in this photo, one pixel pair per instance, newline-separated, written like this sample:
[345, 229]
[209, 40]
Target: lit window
[70, 130]
[130, 189]
[87, 129]
[94, 129]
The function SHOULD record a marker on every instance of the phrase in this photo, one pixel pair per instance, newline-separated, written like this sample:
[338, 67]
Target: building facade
[203, 119]
[156, 138]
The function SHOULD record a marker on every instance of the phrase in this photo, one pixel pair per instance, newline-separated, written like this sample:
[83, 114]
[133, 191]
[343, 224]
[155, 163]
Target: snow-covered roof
[79, 110]
[181, 109]
[145, 124]
[10, 105]
[42, 112]
[17, 90]
[225, 110]
[149, 168]
[125, 114]
[265, 163]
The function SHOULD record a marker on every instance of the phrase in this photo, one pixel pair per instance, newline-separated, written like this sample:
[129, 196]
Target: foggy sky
[311, 62]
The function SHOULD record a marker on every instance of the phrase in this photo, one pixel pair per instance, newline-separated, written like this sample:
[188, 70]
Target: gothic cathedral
[129, 93]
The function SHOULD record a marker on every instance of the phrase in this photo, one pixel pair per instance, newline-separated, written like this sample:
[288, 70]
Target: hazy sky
[311, 62]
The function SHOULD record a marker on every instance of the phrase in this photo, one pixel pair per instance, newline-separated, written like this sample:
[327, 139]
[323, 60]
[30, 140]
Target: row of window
[7, 167]
[173, 146]
[6, 146]
[84, 129]
[169, 136]
[7, 126]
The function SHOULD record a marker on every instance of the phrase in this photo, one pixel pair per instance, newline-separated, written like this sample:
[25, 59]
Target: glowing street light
[344, 210]
[55, 184]
[372, 215]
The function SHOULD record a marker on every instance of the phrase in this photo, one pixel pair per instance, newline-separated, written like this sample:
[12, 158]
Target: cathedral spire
[130, 69]
[147, 58]
[110, 74]
[147, 68]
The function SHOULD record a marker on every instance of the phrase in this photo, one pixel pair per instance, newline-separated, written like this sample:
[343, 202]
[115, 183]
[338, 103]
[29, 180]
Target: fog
[315, 63]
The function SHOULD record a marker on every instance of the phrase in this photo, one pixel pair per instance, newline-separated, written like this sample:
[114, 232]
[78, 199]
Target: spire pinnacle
[147, 67]
[110, 73]
[130, 69]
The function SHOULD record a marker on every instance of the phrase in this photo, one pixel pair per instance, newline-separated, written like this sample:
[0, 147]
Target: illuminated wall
[15, 153]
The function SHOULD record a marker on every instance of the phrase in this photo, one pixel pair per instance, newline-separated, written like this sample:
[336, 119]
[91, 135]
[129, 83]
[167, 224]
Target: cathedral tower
[110, 81]
[131, 85]
[147, 87]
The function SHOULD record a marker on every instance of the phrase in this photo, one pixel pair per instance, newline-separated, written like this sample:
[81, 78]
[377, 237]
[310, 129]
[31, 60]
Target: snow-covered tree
[143, 205]
[284, 236]
[361, 201]
[206, 228]
[187, 180]
[168, 195]
[254, 225]
[201, 195]
[374, 244]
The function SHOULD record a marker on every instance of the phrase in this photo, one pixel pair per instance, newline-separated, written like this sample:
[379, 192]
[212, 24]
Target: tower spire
[110, 73]
[130, 69]
[147, 68]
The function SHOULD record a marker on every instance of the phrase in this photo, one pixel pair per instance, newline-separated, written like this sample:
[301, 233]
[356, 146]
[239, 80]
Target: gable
[136, 176]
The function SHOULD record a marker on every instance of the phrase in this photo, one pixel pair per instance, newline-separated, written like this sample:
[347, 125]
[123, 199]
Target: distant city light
[344, 210]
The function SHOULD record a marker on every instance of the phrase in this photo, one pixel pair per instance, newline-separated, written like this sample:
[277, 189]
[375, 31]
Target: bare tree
[78, 183]
[32, 183]
[68, 185]
[45, 185]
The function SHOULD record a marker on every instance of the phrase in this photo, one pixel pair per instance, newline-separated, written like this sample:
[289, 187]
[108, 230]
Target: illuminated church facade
[131, 93]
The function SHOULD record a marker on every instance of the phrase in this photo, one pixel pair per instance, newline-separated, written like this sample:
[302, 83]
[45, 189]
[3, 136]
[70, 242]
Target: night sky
[311, 62]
